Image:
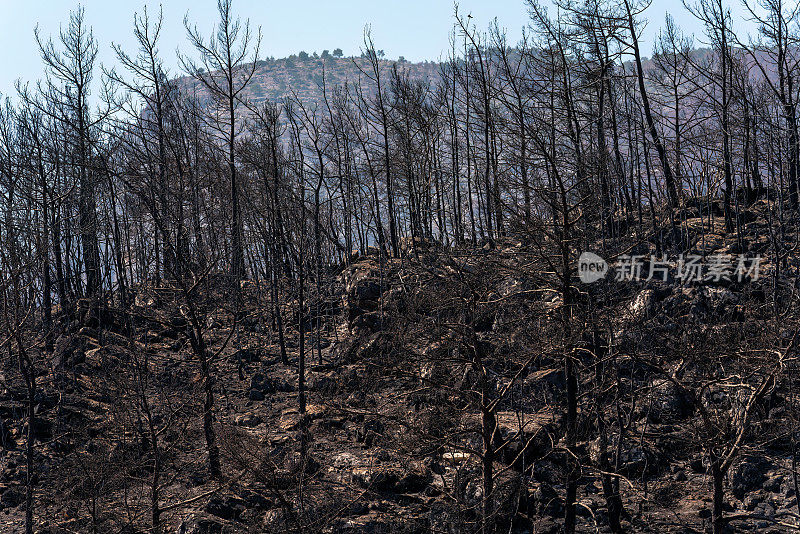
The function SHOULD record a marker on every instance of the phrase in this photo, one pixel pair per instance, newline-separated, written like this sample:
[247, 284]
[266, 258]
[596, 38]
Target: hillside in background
[276, 79]
[303, 75]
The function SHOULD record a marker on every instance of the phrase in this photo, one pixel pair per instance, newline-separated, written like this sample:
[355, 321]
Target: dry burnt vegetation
[440, 379]
[360, 311]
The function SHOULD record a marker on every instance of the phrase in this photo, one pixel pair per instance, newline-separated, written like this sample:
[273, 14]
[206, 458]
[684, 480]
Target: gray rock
[748, 476]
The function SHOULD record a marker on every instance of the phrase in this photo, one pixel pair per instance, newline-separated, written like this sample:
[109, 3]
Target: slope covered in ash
[431, 382]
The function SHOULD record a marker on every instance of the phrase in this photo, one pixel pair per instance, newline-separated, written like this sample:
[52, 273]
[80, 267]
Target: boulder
[748, 475]
[362, 290]
[392, 479]
[226, 507]
[637, 461]
[248, 420]
[668, 400]
[289, 420]
[268, 385]
[68, 351]
[368, 321]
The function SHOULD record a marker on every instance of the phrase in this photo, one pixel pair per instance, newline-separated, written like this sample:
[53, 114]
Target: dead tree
[226, 68]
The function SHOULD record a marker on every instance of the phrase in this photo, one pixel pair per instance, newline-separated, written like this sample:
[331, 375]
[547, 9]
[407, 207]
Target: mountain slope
[277, 79]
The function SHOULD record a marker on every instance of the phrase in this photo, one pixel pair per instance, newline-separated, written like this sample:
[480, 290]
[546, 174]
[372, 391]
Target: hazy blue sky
[416, 29]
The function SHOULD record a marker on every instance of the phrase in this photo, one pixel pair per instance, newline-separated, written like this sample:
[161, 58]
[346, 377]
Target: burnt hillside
[415, 368]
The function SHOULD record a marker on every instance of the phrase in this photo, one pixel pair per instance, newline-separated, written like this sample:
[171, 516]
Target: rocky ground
[396, 400]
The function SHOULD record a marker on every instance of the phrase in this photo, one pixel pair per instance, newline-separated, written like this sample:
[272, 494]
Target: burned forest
[537, 286]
